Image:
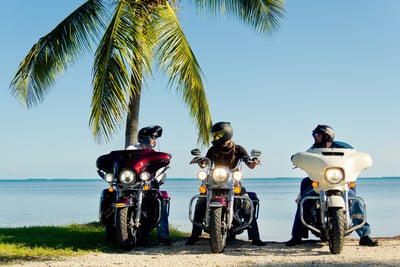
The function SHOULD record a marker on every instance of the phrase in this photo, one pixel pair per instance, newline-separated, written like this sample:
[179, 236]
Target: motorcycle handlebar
[253, 159]
[204, 162]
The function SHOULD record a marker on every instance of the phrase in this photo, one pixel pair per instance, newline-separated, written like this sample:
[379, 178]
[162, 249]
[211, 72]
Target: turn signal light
[352, 185]
[111, 189]
[202, 189]
[237, 189]
[314, 184]
[146, 187]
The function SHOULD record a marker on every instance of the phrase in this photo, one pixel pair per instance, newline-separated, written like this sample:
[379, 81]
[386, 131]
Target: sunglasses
[316, 134]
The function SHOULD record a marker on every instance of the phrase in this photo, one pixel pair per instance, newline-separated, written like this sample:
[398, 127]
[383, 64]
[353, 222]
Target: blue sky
[333, 62]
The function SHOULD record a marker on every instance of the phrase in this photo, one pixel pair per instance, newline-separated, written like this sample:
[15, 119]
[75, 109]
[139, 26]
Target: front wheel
[218, 230]
[126, 232]
[336, 226]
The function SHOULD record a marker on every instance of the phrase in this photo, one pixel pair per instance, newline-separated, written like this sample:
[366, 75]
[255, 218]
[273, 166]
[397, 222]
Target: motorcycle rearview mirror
[195, 152]
[255, 153]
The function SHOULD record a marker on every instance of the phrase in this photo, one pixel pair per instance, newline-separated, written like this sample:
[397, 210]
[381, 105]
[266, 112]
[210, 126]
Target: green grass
[49, 242]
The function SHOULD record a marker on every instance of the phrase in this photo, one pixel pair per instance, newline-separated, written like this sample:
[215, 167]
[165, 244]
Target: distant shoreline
[182, 178]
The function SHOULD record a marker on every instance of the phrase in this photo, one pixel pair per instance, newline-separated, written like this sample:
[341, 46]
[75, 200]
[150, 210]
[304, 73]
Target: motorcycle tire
[218, 230]
[336, 225]
[126, 235]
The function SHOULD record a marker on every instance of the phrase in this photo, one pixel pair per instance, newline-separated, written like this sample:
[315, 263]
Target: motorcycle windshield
[339, 144]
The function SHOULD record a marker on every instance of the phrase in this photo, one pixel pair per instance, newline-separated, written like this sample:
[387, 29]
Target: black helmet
[326, 131]
[221, 132]
[146, 133]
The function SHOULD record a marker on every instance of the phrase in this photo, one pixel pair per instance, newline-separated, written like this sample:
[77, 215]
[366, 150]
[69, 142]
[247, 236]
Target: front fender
[125, 201]
[335, 201]
[217, 202]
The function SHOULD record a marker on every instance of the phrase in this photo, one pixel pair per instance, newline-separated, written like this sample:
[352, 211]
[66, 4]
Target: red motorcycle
[133, 204]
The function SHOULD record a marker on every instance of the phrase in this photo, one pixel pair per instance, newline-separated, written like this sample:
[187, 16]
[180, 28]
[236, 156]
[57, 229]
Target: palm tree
[137, 34]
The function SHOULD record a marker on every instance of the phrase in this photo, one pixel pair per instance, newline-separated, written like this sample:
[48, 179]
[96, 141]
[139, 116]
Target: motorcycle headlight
[219, 174]
[145, 176]
[108, 178]
[202, 175]
[334, 175]
[237, 175]
[127, 177]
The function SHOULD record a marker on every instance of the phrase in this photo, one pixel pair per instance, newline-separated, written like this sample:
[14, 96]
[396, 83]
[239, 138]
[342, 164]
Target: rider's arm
[243, 154]
[210, 152]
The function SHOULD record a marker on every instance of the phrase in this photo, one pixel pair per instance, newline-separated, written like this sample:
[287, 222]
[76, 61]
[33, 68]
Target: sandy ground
[241, 253]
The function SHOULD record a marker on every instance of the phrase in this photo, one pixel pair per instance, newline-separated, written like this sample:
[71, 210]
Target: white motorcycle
[333, 171]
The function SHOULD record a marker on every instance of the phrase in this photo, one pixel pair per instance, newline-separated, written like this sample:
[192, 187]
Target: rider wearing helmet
[323, 138]
[224, 152]
[147, 137]
[221, 132]
[147, 140]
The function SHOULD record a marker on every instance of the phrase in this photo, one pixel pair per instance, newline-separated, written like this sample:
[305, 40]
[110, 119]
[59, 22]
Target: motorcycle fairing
[316, 160]
[138, 160]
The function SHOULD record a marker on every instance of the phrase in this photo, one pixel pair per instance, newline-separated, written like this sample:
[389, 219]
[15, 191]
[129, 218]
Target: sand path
[240, 253]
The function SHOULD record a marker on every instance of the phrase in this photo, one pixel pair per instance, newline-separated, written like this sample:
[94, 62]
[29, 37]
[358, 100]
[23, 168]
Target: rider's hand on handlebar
[252, 163]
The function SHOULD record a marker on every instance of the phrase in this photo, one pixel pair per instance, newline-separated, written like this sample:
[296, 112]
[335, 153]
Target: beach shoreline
[239, 253]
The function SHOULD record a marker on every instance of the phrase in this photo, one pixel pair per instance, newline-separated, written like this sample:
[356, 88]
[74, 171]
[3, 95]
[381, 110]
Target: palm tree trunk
[132, 121]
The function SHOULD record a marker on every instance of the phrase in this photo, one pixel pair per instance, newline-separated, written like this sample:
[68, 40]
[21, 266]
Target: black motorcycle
[133, 203]
[228, 209]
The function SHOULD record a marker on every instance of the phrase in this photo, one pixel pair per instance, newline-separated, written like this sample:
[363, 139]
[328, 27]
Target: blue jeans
[163, 226]
[356, 213]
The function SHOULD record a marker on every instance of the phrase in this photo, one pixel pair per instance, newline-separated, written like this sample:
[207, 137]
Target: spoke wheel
[126, 233]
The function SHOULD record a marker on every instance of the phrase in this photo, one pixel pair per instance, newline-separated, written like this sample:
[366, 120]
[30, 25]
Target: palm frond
[118, 57]
[51, 55]
[179, 62]
[262, 15]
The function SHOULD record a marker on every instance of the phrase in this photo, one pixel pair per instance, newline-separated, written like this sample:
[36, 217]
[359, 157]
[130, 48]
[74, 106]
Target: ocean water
[34, 202]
